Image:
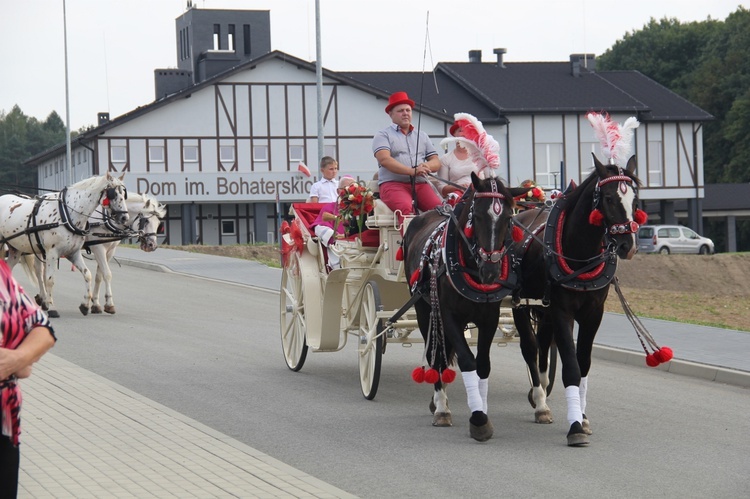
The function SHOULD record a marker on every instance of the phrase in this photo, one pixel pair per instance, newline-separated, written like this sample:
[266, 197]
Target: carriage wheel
[370, 345]
[292, 314]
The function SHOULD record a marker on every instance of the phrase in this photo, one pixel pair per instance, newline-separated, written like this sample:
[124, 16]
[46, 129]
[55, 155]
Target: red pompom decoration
[448, 376]
[664, 354]
[285, 227]
[536, 192]
[400, 254]
[469, 231]
[640, 217]
[651, 360]
[517, 234]
[596, 217]
[431, 376]
[418, 374]
[105, 202]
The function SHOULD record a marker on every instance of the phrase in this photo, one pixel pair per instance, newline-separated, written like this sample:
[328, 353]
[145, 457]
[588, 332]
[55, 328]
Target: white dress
[455, 170]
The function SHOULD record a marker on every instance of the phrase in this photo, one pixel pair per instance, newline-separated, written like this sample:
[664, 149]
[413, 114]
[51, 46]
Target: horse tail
[27, 262]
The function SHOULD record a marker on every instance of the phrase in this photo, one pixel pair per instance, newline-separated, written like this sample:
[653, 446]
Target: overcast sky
[115, 45]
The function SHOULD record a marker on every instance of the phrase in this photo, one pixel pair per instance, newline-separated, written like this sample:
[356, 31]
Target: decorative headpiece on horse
[483, 148]
[616, 141]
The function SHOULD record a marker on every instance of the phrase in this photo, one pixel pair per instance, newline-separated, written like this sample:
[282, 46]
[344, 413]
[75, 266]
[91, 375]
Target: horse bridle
[110, 194]
[484, 256]
[629, 227]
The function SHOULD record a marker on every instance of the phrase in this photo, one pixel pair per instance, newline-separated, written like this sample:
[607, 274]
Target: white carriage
[367, 298]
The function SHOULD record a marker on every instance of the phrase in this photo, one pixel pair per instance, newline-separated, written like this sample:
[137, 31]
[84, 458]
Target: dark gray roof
[720, 197]
[485, 90]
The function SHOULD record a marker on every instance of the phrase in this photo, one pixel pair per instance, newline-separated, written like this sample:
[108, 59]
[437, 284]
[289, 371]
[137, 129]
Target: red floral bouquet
[355, 202]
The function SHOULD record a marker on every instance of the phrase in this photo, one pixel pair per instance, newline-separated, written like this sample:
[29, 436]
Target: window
[230, 34]
[655, 170]
[156, 154]
[119, 154]
[296, 154]
[329, 151]
[190, 154]
[246, 38]
[548, 164]
[226, 154]
[260, 153]
[227, 228]
[217, 37]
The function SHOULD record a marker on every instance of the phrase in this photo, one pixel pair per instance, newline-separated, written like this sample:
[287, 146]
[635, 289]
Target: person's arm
[31, 349]
[313, 199]
[388, 162]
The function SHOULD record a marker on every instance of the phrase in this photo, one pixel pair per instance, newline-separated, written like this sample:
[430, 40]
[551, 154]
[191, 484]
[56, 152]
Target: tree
[22, 137]
[705, 62]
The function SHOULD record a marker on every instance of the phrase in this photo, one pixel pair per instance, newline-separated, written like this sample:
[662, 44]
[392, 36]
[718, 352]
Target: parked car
[666, 239]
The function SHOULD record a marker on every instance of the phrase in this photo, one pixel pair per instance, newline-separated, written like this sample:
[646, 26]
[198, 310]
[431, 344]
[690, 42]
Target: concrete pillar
[731, 234]
[666, 212]
[260, 222]
[188, 216]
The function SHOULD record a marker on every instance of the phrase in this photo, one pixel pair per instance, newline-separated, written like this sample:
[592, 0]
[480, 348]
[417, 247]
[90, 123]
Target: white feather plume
[616, 140]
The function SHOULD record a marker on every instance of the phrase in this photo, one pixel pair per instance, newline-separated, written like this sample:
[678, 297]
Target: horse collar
[462, 281]
[597, 274]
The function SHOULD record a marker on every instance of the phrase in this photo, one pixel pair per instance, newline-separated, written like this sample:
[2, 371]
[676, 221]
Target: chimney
[585, 61]
[499, 53]
[475, 56]
[102, 118]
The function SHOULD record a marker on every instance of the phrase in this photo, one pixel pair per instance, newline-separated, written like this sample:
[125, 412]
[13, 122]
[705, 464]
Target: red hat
[398, 98]
[453, 129]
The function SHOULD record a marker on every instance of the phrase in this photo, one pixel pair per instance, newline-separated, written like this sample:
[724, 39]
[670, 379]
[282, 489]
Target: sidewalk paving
[95, 448]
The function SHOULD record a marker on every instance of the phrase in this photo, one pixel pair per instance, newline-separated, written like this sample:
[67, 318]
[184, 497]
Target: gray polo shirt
[404, 149]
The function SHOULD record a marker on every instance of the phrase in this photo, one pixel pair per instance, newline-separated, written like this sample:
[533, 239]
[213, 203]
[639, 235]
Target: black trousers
[10, 459]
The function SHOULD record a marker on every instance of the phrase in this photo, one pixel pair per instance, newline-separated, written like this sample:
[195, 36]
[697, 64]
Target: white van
[666, 239]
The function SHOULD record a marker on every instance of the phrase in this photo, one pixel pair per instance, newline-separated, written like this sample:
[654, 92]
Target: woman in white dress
[456, 167]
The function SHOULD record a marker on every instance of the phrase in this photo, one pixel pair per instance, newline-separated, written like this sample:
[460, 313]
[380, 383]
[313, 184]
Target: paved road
[196, 400]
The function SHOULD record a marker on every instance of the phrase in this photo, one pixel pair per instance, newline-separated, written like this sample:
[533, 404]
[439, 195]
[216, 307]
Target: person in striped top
[26, 335]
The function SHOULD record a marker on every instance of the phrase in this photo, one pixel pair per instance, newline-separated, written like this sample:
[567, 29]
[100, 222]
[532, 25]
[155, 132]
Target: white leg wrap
[573, 397]
[471, 383]
[582, 391]
[483, 386]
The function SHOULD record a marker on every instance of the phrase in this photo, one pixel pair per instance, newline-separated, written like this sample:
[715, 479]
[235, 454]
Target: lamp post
[69, 155]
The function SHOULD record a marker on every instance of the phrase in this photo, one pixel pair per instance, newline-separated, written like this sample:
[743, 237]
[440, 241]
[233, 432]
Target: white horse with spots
[55, 225]
[145, 216]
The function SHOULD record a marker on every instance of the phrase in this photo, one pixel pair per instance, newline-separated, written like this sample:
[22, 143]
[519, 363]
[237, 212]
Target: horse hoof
[109, 309]
[442, 419]
[586, 425]
[53, 313]
[84, 310]
[543, 417]
[481, 433]
[38, 300]
[576, 436]
[531, 398]
[96, 309]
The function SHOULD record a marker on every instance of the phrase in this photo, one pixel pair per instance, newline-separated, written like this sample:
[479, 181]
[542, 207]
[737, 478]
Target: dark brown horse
[460, 269]
[568, 259]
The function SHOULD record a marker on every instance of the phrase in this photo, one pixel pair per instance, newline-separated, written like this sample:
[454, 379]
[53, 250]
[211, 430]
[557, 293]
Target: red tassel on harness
[418, 374]
[651, 360]
[400, 254]
[469, 231]
[664, 354]
[448, 376]
[640, 217]
[431, 376]
[596, 217]
[105, 202]
[414, 277]
[517, 234]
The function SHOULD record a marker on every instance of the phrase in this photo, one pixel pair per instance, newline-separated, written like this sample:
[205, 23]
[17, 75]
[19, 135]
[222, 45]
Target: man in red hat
[405, 155]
